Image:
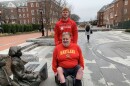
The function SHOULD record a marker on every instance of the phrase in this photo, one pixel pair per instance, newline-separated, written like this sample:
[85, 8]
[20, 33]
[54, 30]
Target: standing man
[65, 24]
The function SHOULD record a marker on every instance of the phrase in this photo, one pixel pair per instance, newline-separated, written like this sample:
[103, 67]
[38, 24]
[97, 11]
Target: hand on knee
[60, 75]
[59, 70]
[79, 74]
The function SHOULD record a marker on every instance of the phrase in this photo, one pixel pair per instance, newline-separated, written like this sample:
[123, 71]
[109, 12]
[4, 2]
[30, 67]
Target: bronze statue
[4, 78]
[20, 74]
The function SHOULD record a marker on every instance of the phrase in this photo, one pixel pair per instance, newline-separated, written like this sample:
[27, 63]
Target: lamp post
[1, 30]
[0, 16]
[42, 25]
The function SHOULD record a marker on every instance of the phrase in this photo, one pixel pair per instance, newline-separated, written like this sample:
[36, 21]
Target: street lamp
[1, 29]
[42, 25]
[0, 15]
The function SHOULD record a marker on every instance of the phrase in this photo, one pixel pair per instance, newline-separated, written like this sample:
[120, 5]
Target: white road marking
[110, 83]
[120, 60]
[126, 80]
[110, 66]
[102, 81]
[88, 61]
[99, 51]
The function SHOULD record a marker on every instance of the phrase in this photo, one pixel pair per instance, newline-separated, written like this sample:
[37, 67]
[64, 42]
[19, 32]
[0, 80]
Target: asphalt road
[107, 58]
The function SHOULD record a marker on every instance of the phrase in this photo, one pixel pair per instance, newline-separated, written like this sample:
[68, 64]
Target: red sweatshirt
[65, 26]
[67, 57]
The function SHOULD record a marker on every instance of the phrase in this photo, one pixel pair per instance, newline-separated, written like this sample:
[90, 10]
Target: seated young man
[68, 60]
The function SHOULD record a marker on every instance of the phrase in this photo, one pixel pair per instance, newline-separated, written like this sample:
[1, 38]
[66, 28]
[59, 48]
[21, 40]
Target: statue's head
[15, 51]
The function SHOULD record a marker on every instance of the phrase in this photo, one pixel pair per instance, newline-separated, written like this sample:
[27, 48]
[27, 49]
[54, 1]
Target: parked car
[1, 30]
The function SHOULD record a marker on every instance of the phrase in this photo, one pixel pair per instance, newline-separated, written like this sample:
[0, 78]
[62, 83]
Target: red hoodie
[65, 26]
[67, 57]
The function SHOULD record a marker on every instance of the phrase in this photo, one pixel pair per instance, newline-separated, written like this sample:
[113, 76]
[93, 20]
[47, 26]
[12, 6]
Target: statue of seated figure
[4, 78]
[20, 74]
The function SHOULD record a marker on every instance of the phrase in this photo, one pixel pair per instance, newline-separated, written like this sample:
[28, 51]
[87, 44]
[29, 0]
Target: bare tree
[61, 4]
[52, 7]
[6, 15]
[75, 17]
[47, 15]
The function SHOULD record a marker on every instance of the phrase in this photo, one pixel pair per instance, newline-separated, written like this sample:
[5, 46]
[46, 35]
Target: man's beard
[66, 44]
[65, 17]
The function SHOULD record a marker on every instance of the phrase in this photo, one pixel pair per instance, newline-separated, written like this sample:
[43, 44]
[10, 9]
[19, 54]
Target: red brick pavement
[7, 41]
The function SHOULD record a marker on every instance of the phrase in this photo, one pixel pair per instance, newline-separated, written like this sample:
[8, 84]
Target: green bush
[14, 28]
[35, 27]
[127, 30]
[123, 25]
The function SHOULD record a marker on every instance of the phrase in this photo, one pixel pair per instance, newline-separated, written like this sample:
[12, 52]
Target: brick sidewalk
[8, 41]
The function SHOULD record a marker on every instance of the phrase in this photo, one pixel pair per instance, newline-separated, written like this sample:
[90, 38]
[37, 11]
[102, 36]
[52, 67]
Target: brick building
[28, 11]
[115, 14]
[100, 16]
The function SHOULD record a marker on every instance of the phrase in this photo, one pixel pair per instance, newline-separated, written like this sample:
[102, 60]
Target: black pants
[88, 37]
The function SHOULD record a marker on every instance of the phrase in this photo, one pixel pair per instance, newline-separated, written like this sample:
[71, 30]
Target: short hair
[66, 33]
[65, 9]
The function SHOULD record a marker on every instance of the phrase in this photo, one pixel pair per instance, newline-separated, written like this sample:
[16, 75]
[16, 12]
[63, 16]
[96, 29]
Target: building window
[27, 9]
[24, 16]
[19, 10]
[20, 16]
[37, 4]
[28, 21]
[125, 11]
[37, 11]
[33, 20]
[115, 13]
[32, 5]
[11, 10]
[43, 11]
[24, 21]
[20, 21]
[12, 17]
[111, 15]
[23, 10]
[50, 11]
[32, 12]
[117, 4]
[27, 15]
[6, 17]
[126, 2]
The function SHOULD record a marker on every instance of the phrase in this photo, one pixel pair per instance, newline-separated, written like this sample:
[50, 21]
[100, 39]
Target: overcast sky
[87, 9]
[6, 0]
